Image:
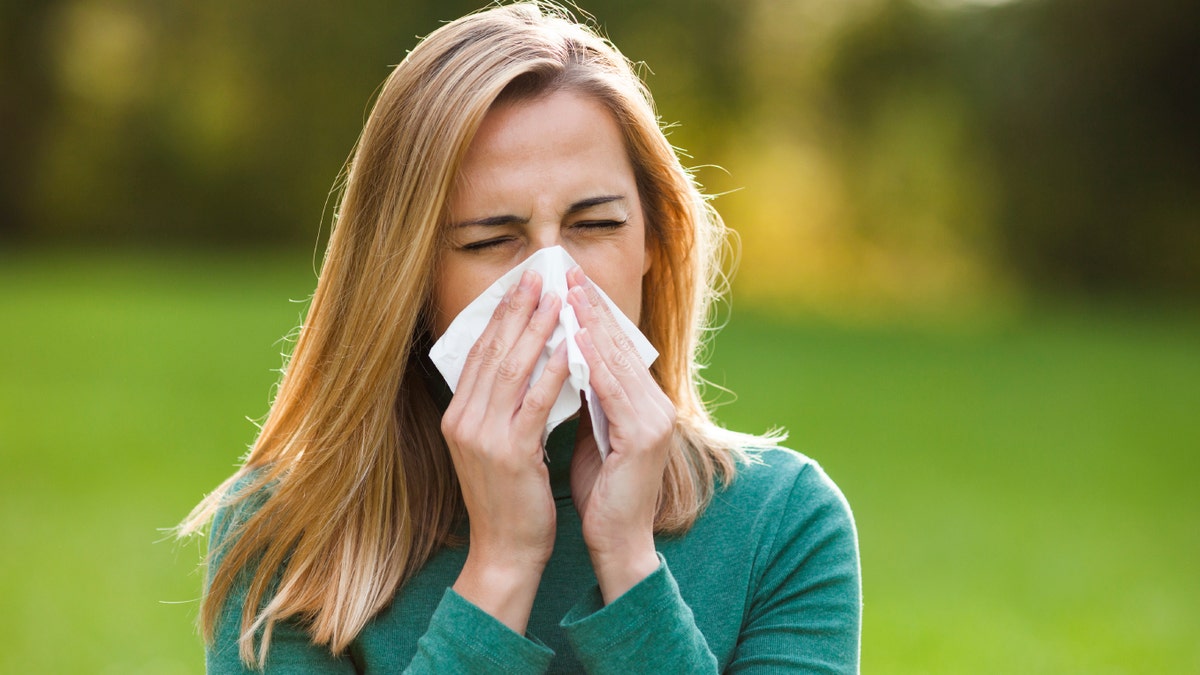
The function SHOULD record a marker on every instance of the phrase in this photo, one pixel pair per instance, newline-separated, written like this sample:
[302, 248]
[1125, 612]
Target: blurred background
[969, 285]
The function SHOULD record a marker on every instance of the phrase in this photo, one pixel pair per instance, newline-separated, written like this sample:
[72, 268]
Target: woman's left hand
[617, 498]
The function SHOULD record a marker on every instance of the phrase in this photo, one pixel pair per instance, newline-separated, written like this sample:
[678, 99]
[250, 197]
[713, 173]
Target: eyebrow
[581, 205]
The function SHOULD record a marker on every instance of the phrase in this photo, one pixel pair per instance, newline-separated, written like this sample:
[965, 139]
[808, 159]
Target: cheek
[451, 294]
[619, 269]
[622, 283]
[458, 282]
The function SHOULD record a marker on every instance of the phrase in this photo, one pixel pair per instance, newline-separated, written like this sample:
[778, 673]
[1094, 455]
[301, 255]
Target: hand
[617, 499]
[493, 428]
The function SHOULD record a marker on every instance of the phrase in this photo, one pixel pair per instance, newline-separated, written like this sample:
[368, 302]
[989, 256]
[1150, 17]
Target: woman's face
[539, 173]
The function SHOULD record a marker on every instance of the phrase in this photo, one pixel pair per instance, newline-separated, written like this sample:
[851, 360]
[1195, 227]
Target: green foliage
[1024, 488]
[894, 151]
[1081, 112]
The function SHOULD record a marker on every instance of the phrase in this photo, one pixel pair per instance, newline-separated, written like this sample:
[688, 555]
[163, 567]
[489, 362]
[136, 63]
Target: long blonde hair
[353, 486]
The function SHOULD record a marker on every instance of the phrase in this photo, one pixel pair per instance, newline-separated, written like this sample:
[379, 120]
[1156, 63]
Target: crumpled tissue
[449, 353]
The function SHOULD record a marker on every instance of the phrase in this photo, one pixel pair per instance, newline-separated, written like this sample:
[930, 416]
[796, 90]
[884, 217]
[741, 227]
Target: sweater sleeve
[291, 651]
[461, 638]
[465, 639]
[647, 629]
[804, 614]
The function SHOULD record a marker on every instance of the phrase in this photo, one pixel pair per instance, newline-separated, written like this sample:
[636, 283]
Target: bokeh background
[969, 285]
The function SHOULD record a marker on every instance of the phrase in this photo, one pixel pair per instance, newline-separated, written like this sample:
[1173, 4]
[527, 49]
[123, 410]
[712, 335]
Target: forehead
[563, 144]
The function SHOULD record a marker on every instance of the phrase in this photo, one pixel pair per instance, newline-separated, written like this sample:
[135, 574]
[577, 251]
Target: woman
[381, 523]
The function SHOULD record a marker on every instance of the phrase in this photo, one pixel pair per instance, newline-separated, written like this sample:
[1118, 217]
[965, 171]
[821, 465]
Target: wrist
[503, 589]
[619, 571]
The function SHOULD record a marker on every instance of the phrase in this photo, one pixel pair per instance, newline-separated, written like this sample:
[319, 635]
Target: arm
[493, 430]
[460, 637]
[648, 629]
[635, 620]
[290, 648]
[803, 613]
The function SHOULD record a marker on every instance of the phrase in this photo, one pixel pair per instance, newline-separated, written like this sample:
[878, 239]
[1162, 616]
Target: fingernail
[584, 338]
[578, 295]
[547, 301]
[527, 279]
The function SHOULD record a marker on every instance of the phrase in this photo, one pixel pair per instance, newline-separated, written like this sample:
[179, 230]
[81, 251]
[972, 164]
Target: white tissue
[450, 352]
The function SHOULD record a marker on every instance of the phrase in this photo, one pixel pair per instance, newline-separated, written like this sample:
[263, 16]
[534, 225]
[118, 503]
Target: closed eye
[600, 224]
[485, 244]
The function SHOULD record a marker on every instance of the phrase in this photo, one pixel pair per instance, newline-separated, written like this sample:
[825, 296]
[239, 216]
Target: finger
[507, 322]
[623, 361]
[633, 412]
[614, 345]
[537, 402]
[614, 395]
[610, 342]
[466, 379]
[513, 373]
[599, 309]
[603, 312]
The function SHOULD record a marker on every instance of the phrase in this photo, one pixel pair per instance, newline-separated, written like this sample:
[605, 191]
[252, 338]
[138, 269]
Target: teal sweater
[766, 581]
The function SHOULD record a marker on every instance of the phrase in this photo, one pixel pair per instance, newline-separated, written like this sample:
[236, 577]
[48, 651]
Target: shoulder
[806, 540]
[243, 495]
[786, 502]
[787, 477]
[803, 577]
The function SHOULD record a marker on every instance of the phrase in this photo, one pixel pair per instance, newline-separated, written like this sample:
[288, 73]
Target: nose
[545, 236]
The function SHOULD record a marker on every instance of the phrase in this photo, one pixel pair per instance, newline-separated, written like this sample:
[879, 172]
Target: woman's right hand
[493, 428]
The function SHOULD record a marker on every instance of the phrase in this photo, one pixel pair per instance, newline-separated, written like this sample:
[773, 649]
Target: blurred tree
[227, 122]
[1096, 139]
[26, 97]
[885, 145]
[1083, 111]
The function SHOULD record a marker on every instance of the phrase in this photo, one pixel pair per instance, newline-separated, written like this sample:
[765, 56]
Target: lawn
[1025, 488]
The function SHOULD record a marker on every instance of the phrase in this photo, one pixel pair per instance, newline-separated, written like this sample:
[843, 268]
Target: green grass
[1025, 490]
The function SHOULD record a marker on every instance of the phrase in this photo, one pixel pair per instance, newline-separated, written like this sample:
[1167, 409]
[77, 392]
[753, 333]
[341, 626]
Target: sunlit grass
[1024, 490]
[1025, 494]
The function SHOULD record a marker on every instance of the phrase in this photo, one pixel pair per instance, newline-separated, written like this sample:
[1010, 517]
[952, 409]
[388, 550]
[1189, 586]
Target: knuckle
[493, 352]
[536, 400]
[622, 363]
[488, 451]
[508, 370]
[518, 302]
[476, 351]
[623, 343]
[662, 431]
[450, 428]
